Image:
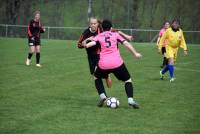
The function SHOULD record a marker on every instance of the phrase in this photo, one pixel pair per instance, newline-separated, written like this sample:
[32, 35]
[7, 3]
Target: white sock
[102, 96]
[130, 100]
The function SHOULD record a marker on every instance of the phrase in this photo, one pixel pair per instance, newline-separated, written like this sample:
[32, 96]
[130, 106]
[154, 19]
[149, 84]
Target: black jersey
[86, 34]
[35, 28]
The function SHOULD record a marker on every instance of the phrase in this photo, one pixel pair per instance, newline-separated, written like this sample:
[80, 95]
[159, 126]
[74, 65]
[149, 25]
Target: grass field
[60, 97]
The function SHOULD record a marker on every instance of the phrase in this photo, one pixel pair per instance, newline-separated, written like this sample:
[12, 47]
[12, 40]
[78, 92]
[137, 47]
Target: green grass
[60, 97]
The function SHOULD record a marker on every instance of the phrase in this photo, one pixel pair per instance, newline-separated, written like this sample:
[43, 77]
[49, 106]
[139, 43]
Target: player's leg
[168, 55]
[30, 54]
[171, 69]
[108, 81]
[171, 64]
[31, 51]
[38, 54]
[98, 75]
[122, 74]
[164, 57]
[93, 62]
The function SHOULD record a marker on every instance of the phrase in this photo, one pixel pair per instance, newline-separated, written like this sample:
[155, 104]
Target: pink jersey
[110, 57]
[162, 31]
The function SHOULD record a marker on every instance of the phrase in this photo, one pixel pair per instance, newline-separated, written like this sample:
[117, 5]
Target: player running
[174, 39]
[111, 62]
[34, 30]
[163, 50]
[93, 52]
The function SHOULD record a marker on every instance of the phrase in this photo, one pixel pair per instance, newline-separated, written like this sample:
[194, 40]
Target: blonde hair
[36, 12]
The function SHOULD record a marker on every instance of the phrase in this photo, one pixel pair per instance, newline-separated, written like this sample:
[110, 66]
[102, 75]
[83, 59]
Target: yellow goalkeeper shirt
[173, 39]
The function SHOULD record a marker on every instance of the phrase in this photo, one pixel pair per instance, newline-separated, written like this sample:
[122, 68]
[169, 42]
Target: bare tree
[12, 10]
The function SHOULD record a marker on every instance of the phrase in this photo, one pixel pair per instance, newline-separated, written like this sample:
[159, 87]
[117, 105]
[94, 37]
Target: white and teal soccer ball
[112, 102]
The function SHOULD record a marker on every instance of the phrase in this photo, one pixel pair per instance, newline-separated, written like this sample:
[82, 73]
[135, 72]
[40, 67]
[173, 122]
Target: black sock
[99, 86]
[30, 55]
[37, 58]
[129, 89]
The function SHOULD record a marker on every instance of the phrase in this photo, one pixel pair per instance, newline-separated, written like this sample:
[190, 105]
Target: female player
[163, 50]
[93, 30]
[174, 39]
[34, 29]
[111, 62]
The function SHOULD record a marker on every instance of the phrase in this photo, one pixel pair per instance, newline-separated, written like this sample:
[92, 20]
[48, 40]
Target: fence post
[48, 32]
[150, 36]
[6, 30]
[131, 32]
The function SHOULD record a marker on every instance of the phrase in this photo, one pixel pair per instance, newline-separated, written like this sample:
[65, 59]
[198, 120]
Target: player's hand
[138, 55]
[130, 38]
[80, 45]
[185, 52]
[83, 44]
[32, 38]
[44, 29]
[90, 38]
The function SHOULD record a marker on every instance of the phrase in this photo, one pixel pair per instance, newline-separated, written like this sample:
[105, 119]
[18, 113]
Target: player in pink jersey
[111, 62]
[162, 31]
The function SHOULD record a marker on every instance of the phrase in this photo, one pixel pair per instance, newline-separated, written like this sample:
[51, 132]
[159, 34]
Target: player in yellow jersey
[174, 39]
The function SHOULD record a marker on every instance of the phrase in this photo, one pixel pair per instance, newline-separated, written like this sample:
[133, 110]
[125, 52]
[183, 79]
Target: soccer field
[60, 97]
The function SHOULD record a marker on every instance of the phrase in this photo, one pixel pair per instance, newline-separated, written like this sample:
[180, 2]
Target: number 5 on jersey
[107, 41]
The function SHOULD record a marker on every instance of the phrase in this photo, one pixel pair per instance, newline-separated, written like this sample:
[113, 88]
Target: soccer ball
[112, 102]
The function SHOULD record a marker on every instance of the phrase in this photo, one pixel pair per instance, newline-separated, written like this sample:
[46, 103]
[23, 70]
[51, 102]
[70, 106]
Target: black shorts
[121, 73]
[93, 61]
[163, 50]
[33, 41]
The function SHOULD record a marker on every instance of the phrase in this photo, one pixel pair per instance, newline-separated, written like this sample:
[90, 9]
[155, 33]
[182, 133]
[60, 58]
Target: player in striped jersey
[112, 62]
[35, 28]
[93, 52]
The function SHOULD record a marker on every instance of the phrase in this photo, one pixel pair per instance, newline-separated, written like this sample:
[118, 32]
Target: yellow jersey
[173, 39]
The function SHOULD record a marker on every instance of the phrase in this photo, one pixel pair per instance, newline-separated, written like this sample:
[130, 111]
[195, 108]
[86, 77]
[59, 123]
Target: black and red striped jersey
[86, 34]
[35, 28]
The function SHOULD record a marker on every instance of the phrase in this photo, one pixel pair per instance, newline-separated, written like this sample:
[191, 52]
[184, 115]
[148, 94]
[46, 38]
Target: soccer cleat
[28, 62]
[101, 102]
[161, 76]
[134, 105]
[109, 82]
[38, 65]
[172, 80]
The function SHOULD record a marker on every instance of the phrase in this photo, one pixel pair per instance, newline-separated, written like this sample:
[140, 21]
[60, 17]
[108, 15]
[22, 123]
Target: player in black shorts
[111, 62]
[34, 30]
[93, 52]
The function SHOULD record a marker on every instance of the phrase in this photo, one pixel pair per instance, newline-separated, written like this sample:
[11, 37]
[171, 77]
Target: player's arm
[157, 43]
[126, 36]
[90, 44]
[159, 37]
[30, 25]
[183, 44]
[132, 49]
[161, 41]
[79, 43]
[42, 29]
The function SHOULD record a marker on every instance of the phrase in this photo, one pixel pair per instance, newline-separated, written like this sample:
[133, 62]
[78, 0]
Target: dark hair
[106, 25]
[176, 20]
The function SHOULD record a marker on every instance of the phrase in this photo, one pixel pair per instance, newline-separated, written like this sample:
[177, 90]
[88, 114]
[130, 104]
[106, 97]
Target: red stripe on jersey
[80, 41]
[29, 31]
